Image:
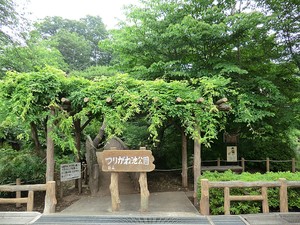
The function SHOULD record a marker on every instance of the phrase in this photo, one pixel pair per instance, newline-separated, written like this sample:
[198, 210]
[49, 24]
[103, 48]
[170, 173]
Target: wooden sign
[127, 160]
[70, 171]
[231, 154]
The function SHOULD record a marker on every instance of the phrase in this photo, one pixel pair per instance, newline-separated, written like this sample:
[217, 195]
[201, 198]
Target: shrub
[217, 194]
[20, 164]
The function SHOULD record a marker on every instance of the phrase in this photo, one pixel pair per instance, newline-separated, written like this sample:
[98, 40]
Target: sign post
[70, 171]
[231, 154]
[115, 161]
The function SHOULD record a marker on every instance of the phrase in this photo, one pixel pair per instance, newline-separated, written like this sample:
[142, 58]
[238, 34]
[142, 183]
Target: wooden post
[218, 162]
[184, 173]
[243, 164]
[144, 192]
[50, 198]
[30, 201]
[293, 165]
[18, 193]
[50, 148]
[268, 164]
[114, 191]
[283, 195]
[226, 200]
[265, 204]
[197, 165]
[204, 202]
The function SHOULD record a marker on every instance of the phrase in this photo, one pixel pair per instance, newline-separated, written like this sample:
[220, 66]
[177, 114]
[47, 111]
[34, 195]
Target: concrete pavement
[164, 208]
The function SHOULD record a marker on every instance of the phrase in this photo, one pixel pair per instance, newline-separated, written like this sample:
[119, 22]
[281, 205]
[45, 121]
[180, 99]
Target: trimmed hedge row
[246, 207]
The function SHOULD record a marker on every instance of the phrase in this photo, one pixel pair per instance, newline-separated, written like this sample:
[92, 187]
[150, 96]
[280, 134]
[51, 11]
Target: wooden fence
[50, 198]
[283, 184]
[241, 164]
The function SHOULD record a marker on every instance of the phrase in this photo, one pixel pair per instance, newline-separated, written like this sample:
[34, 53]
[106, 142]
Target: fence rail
[50, 198]
[282, 183]
[242, 164]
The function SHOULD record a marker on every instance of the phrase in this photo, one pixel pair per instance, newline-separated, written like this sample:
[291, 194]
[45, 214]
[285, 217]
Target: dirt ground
[157, 182]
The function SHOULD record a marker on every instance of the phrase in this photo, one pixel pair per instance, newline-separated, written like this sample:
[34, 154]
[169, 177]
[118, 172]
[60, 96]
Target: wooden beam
[222, 100]
[223, 107]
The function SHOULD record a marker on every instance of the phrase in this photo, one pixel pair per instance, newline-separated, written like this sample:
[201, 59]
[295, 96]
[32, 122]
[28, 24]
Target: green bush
[20, 164]
[246, 207]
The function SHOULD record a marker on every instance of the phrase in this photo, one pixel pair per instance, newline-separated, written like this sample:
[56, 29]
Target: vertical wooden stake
[18, 193]
[184, 173]
[227, 201]
[114, 191]
[265, 204]
[197, 166]
[204, 202]
[144, 192]
[283, 195]
[268, 164]
[30, 201]
[50, 198]
[218, 162]
[293, 165]
[243, 164]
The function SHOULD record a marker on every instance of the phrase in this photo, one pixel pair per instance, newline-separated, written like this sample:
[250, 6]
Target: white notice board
[231, 153]
[70, 171]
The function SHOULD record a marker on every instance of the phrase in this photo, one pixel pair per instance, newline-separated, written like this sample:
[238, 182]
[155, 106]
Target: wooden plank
[30, 187]
[231, 184]
[246, 198]
[127, 161]
[13, 200]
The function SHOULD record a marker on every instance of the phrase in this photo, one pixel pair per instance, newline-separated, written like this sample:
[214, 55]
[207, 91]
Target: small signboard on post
[70, 171]
[231, 154]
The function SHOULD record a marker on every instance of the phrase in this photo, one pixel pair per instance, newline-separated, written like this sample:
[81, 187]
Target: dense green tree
[74, 48]
[31, 56]
[90, 28]
[174, 39]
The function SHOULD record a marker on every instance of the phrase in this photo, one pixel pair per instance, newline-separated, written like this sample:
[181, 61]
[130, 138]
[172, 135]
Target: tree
[74, 48]
[285, 17]
[31, 56]
[8, 17]
[89, 29]
[182, 40]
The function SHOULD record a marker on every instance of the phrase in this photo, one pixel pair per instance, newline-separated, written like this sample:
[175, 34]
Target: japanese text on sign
[70, 171]
[127, 160]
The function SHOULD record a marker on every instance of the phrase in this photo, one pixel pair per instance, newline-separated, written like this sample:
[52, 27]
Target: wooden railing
[283, 196]
[50, 198]
[242, 163]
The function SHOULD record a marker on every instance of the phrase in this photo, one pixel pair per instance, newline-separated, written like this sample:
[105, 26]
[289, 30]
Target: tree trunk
[78, 147]
[50, 149]
[197, 166]
[184, 173]
[35, 137]
[99, 136]
[93, 166]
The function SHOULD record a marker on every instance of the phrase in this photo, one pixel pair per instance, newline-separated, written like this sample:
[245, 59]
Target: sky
[109, 10]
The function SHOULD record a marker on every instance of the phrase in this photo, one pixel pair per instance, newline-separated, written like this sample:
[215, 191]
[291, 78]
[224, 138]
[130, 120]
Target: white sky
[109, 10]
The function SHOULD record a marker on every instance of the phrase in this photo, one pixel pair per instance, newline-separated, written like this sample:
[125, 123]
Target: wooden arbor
[221, 105]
